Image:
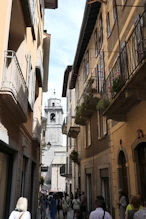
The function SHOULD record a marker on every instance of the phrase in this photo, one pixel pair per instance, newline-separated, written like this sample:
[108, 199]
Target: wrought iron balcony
[39, 68]
[36, 130]
[87, 103]
[126, 84]
[13, 90]
[64, 127]
[72, 129]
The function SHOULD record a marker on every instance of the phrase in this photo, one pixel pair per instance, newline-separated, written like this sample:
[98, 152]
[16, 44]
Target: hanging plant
[74, 156]
[78, 111]
[102, 104]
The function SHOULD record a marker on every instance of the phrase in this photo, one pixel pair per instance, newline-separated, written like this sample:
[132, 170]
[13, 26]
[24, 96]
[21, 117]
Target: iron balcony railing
[36, 131]
[13, 80]
[130, 57]
[39, 64]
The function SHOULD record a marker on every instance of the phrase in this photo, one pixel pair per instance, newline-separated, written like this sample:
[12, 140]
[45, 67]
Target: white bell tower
[54, 115]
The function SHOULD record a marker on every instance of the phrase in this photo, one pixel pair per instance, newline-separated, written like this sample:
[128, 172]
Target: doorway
[141, 151]
[89, 192]
[122, 172]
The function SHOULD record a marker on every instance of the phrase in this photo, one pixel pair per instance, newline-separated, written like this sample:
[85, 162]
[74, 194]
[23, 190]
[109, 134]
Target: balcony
[39, 68]
[86, 105]
[125, 86]
[36, 130]
[51, 4]
[28, 8]
[13, 90]
[73, 131]
[64, 127]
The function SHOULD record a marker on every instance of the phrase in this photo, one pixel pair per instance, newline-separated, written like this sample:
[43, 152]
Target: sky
[64, 25]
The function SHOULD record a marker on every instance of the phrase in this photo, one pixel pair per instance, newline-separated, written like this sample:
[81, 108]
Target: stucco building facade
[24, 60]
[109, 82]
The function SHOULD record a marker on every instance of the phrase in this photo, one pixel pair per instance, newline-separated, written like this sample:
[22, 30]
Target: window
[108, 25]
[53, 104]
[101, 73]
[43, 133]
[96, 43]
[30, 82]
[86, 66]
[88, 134]
[97, 78]
[102, 125]
[114, 10]
[52, 117]
[100, 31]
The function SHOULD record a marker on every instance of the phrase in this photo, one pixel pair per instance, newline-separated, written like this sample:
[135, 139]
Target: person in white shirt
[99, 213]
[21, 210]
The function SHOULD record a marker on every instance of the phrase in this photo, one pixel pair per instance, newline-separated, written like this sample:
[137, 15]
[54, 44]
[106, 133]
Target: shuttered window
[108, 24]
[102, 125]
[124, 62]
[86, 66]
[97, 78]
[102, 72]
[114, 10]
[100, 31]
[88, 134]
[96, 43]
[30, 82]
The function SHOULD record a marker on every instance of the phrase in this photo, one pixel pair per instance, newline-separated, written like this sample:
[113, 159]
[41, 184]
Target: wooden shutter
[31, 89]
[108, 24]
[102, 73]
[124, 63]
[28, 69]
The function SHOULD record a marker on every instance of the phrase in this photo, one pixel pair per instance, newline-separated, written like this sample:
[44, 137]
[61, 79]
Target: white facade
[58, 182]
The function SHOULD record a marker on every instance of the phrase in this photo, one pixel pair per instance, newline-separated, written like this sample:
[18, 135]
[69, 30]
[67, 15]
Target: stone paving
[69, 215]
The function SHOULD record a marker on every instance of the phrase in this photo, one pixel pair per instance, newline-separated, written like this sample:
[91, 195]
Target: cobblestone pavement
[69, 215]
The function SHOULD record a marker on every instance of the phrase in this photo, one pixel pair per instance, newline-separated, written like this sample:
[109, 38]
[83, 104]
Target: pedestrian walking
[134, 206]
[141, 214]
[99, 213]
[122, 203]
[83, 207]
[101, 198]
[76, 206]
[53, 207]
[65, 205]
[21, 210]
[59, 204]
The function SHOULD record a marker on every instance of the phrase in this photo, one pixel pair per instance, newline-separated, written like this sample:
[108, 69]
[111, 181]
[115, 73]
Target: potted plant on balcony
[102, 104]
[116, 83]
[74, 156]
